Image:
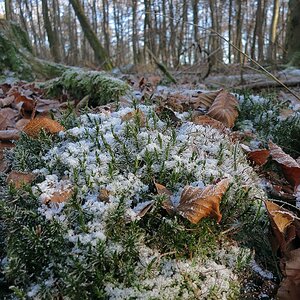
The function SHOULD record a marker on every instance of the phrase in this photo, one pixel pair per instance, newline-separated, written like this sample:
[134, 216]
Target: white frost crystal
[105, 152]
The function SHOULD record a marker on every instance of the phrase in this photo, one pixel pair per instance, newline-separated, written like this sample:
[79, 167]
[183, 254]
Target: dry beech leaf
[34, 127]
[60, 196]
[22, 123]
[17, 179]
[183, 102]
[7, 101]
[8, 118]
[282, 226]
[162, 190]
[9, 135]
[224, 109]
[135, 114]
[166, 204]
[196, 203]
[103, 195]
[28, 104]
[259, 157]
[144, 208]
[290, 167]
[289, 288]
[204, 100]
[208, 121]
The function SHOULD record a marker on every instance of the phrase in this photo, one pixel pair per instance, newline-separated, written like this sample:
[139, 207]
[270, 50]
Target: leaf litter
[214, 109]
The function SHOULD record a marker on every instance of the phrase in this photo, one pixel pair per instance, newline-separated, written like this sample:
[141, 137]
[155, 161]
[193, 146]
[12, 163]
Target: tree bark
[8, 10]
[293, 33]
[99, 50]
[52, 37]
[273, 29]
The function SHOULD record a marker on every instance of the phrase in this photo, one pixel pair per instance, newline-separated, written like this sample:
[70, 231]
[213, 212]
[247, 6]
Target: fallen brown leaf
[289, 288]
[224, 109]
[22, 123]
[143, 209]
[60, 196]
[9, 135]
[167, 203]
[6, 101]
[103, 195]
[136, 114]
[208, 121]
[8, 118]
[282, 226]
[289, 166]
[18, 179]
[196, 203]
[259, 157]
[28, 104]
[34, 127]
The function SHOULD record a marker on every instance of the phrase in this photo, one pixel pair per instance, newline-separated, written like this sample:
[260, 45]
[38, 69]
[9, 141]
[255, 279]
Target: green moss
[101, 87]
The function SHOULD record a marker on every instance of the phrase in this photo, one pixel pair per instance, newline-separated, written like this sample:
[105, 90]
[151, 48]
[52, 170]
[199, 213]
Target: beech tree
[92, 38]
[293, 32]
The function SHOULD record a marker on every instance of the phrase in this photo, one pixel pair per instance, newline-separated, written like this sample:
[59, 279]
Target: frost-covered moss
[98, 85]
[95, 248]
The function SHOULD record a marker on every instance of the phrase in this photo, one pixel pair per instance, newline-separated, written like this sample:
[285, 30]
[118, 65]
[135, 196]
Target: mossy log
[17, 57]
[100, 87]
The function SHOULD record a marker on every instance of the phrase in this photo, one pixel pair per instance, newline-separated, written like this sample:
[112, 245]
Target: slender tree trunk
[99, 50]
[105, 24]
[293, 32]
[134, 32]
[52, 38]
[8, 10]
[195, 4]
[273, 29]
[229, 30]
[238, 40]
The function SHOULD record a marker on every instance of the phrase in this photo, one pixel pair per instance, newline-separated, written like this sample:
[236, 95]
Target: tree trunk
[17, 56]
[238, 42]
[134, 32]
[52, 37]
[293, 33]
[273, 29]
[99, 50]
[8, 10]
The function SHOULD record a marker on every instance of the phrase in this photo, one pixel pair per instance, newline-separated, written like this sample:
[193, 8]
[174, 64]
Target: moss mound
[16, 55]
[99, 86]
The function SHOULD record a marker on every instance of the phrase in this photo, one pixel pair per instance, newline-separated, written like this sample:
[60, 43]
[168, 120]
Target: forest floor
[138, 189]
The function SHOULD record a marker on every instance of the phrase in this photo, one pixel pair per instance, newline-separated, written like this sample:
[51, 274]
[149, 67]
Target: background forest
[127, 28]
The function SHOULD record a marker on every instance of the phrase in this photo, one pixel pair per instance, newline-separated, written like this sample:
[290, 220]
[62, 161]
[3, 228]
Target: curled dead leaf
[167, 203]
[290, 167]
[259, 157]
[289, 288]
[18, 179]
[137, 115]
[196, 203]
[60, 196]
[8, 118]
[103, 195]
[282, 226]
[28, 104]
[6, 101]
[208, 121]
[22, 123]
[9, 135]
[224, 109]
[34, 127]
[143, 208]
